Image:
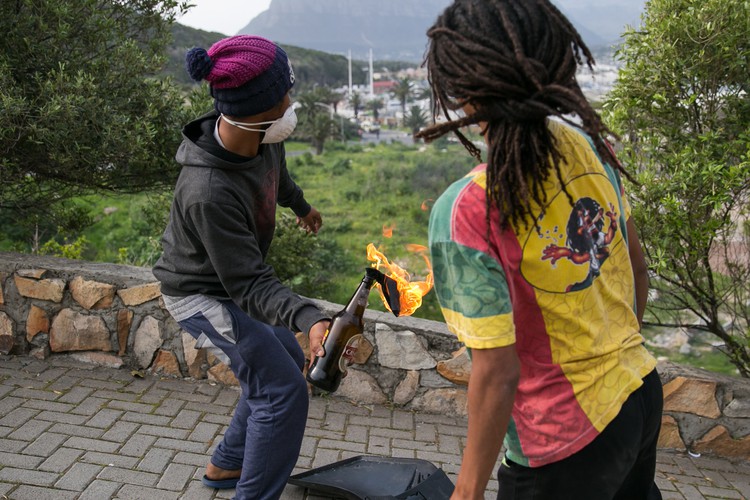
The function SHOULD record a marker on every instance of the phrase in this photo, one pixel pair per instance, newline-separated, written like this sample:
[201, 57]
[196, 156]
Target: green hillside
[311, 67]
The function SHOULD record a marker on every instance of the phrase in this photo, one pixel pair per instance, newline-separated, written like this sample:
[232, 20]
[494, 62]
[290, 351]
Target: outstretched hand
[311, 222]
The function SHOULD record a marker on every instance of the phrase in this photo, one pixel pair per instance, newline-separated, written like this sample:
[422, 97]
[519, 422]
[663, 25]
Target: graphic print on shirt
[574, 242]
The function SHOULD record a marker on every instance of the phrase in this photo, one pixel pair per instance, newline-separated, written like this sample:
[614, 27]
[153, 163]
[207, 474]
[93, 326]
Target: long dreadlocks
[514, 63]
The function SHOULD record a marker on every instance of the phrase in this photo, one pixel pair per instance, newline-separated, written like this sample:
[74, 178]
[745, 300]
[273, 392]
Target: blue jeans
[265, 434]
[619, 464]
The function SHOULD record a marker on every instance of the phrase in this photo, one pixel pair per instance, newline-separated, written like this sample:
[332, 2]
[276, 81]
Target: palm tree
[403, 92]
[415, 119]
[375, 105]
[426, 93]
[315, 114]
[355, 100]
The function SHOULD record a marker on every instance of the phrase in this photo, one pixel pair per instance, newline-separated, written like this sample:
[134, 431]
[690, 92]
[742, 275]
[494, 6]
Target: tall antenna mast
[372, 86]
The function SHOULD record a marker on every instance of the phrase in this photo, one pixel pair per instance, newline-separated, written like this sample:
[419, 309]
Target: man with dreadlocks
[537, 265]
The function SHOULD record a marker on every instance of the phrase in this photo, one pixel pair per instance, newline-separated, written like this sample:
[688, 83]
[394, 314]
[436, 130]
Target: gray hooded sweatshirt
[221, 225]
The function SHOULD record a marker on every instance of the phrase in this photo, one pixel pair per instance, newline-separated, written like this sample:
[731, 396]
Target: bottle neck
[358, 303]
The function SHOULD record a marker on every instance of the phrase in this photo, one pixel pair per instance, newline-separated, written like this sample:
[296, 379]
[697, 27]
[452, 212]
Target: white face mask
[278, 131]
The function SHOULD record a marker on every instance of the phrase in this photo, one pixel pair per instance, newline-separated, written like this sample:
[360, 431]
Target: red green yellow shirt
[563, 294]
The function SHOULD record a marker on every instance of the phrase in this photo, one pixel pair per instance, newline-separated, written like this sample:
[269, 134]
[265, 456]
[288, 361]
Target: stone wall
[113, 315]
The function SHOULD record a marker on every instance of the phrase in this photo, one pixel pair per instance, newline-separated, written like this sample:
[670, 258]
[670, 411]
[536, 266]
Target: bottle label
[350, 350]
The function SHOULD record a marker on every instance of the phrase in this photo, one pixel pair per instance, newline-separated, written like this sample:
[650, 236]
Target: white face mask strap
[246, 126]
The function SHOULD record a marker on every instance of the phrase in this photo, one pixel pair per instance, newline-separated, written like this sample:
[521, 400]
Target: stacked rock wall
[113, 315]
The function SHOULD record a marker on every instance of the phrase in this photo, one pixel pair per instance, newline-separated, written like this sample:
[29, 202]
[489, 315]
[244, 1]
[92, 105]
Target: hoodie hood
[200, 149]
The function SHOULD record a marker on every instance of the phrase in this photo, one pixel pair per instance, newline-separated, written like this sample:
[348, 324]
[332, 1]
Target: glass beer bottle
[340, 340]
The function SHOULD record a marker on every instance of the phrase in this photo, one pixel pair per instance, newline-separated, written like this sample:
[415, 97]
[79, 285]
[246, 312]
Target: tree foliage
[316, 117]
[415, 119]
[403, 92]
[681, 106]
[82, 109]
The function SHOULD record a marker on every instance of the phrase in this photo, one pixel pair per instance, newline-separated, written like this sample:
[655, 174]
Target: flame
[410, 292]
[388, 230]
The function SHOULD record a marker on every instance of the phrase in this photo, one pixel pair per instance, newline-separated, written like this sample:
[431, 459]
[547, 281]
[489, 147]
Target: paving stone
[18, 417]
[140, 418]
[168, 407]
[78, 477]
[720, 493]
[137, 445]
[196, 491]
[156, 460]
[155, 396]
[690, 492]
[204, 432]
[391, 433]
[120, 431]
[27, 393]
[18, 460]
[45, 444]
[196, 459]
[342, 445]
[75, 395]
[27, 475]
[30, 430]
[12, 446]
[217, 419]
[109, 459]
[89, 406]
[61, 460]
[65, 418]
[126, 476]
[100, 489]
[131, 492]
[138, 386]
[356, 434]
[161, 431]
[9, 403]
[177, 444]
[76, 430]
[65, 384]
[91, 444]
[48, 405]
[186, 419]
[25, 492]
[176, 477]
[115, 395]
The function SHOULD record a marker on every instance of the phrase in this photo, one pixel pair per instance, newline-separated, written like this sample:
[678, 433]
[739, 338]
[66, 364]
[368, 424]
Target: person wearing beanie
[214, 277]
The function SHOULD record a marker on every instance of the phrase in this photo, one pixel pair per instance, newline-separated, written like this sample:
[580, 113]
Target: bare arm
[492, 388]
[640, 270]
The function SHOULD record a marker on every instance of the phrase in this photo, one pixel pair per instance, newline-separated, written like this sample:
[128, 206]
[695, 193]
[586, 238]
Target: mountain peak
[396, 29]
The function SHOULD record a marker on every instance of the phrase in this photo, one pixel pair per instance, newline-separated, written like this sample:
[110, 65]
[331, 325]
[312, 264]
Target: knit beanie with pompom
[247, 74]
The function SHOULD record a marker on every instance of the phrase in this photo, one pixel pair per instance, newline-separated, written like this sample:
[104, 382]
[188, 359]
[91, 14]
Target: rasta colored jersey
[563, 294]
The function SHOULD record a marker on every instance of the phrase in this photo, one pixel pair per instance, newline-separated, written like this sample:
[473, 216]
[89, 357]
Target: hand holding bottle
[315, 337]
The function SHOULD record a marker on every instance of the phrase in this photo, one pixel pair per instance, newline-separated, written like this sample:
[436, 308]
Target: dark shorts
[619, 464]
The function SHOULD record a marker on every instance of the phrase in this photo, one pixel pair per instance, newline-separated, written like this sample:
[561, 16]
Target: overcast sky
[224, 16]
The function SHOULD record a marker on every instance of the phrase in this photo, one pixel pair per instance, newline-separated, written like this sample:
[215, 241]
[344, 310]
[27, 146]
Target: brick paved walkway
[72, 431]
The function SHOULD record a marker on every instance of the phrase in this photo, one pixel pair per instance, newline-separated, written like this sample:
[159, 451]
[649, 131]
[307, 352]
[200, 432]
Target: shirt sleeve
[248, 280]
[473, 293]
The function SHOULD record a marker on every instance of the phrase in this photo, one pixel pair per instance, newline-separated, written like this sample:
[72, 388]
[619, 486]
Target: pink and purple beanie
[247, 74]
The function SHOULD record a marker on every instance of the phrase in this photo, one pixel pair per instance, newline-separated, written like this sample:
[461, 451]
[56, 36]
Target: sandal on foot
[220, 484]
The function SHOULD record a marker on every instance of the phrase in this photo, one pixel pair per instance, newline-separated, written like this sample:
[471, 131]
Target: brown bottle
[340, 339]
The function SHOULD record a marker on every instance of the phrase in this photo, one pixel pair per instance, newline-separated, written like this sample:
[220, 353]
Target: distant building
[383, 86]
